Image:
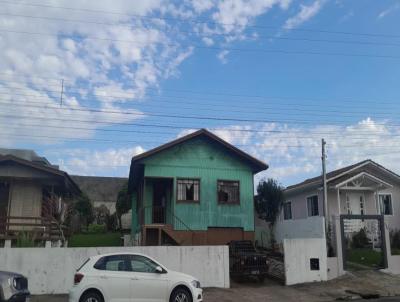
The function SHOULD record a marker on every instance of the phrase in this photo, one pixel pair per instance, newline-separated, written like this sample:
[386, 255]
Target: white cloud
[306, 13]
[99, 162]
[389, 10]
[235, 15]
[294, 153]
[201, 6]
[222, 56]
[126, 57]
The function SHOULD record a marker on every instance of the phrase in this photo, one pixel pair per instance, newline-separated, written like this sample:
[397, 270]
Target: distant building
[101, 190]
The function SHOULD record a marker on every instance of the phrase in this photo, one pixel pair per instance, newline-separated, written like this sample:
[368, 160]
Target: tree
[269, 200]
[84, 208]
[123, 204]
[268, 203]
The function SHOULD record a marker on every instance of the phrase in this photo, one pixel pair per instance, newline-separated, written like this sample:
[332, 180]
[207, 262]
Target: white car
[129, 277]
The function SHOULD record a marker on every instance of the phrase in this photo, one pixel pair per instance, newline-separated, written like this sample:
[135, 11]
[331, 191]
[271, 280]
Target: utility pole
[324, 185]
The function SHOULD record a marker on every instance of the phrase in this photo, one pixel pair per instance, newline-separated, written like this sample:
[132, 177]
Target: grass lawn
[95, 240]
[365, 257]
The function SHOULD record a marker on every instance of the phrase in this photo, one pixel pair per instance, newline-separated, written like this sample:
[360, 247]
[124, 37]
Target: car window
[84, 263]
[142, 264]
[113, 263]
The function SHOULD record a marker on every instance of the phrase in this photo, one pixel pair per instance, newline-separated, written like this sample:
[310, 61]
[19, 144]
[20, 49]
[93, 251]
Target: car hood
[178, 276]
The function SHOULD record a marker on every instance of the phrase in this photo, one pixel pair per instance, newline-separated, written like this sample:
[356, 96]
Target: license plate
[255, 272]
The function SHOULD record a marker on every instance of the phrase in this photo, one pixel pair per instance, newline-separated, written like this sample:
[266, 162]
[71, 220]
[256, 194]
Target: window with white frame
[385, 204]
[312, 205]
[188, 190]
[287, 211]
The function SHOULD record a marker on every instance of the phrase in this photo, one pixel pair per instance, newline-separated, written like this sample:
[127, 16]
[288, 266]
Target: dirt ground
[352, 286]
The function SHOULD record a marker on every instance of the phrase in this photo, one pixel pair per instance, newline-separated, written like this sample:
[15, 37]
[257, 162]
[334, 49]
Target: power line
[311, 135]
[216, 48]
[231, 95]
[208, 106]
[222, 108]
[198, 21]
[184, 117]
[204, 34]
[255, 145]
[164, 126]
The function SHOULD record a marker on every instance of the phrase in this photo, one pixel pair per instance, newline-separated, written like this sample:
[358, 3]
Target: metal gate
[363, 242]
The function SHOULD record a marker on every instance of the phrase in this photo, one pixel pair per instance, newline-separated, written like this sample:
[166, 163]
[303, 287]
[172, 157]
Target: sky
[89, 84]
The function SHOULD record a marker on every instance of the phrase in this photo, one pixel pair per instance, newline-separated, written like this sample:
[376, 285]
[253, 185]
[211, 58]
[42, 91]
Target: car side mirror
[159, 270]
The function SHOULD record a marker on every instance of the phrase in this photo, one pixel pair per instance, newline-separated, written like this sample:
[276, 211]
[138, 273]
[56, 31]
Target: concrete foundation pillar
[48, 244]
[339, 252]
[387, 241]
[7, 243]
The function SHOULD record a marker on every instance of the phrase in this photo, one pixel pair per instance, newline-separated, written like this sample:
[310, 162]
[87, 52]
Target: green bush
[97, 229]
[26, 239]
[360, 239]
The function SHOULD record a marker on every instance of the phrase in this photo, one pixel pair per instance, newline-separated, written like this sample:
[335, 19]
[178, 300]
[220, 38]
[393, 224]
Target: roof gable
[254, 163]
[42, 168]
[366, 165]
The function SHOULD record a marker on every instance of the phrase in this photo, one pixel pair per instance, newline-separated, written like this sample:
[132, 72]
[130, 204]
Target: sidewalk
[356, 285]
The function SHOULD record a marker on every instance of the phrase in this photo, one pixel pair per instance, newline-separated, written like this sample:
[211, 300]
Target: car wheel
[91, 297]
[181, 295]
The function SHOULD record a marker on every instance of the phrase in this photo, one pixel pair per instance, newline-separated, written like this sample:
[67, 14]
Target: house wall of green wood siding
[200, 158]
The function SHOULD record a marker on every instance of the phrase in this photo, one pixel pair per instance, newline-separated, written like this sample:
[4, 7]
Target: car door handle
[134, 278]
[103, 277]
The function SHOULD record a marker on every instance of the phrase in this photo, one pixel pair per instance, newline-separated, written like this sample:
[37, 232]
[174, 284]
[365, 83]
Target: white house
[364, 196]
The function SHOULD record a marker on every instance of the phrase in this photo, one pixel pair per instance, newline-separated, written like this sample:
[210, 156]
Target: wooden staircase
[165, 233]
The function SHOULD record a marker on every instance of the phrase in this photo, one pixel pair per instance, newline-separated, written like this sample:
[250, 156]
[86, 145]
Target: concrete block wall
[298, 253]
[51, 270]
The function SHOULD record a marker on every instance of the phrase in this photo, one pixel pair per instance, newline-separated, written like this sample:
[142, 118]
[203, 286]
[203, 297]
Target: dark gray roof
[328, 175]
[28, 155]
[68, 181]
[334, 174]
[256, 164]
[100, 189]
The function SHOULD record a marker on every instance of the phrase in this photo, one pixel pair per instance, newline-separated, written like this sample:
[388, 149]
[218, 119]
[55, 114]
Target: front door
[4, 196]
[355, 203]
[159, 201]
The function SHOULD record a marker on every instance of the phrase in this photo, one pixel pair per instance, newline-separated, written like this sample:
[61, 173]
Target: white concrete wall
[298, 253]
[394, 264]
[311, 227]
[51, 270]
[333, 268]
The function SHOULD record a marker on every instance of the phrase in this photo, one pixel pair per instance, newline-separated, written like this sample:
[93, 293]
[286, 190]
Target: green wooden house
[195, 190]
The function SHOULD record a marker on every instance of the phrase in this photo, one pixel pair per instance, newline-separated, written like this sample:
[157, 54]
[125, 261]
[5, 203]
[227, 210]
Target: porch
[356, 214]
[31, 209]
[35, 228]
[157, 222]
[360, 194]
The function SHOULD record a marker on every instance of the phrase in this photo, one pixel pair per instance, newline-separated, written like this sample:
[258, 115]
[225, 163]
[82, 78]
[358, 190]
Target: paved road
[346, 287]
[238, 298]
